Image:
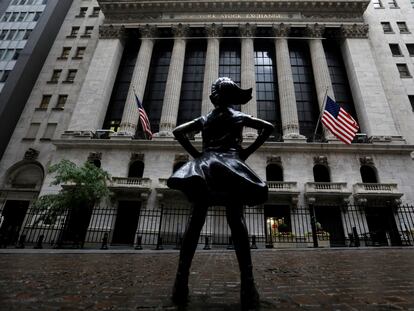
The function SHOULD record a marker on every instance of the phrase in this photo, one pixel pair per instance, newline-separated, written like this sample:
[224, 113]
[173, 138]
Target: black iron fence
[269, 226]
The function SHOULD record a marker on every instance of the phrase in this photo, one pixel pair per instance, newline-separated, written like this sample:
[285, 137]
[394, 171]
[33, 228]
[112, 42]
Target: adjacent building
[167, 54]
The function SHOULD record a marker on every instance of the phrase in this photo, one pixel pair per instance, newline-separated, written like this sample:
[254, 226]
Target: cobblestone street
[351, 279]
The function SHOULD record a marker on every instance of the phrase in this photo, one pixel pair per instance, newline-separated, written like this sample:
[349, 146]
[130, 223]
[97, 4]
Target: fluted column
[320, 68]
[173, 87]
[96, 90]
[374, 112]
[211, 71]
[130, 116]
[288, 107]
[248, 75]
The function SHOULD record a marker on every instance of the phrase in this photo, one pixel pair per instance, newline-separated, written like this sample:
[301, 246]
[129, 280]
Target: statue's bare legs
[236, 221]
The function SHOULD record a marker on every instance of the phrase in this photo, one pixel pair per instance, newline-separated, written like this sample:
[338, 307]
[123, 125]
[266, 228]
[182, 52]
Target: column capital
[148, 31]
[355, 31]
[112, 32]
[315, 30]
[247, 30]
[213, 30]
[180, 30]
[281, 30]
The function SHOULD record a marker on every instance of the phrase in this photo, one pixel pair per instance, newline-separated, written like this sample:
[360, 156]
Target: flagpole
[135, 94]
[320, 114]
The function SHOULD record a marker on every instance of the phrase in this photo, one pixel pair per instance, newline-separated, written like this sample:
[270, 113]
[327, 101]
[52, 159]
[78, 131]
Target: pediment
[202, 11]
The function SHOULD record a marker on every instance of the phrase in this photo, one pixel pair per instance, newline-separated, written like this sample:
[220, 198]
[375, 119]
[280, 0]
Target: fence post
[159, 244]
[230, 246]
[313, 225]
[253, 246]
[178, 241]
[356, 237]
[39, 243]
[206, 243]
[139, 243]
[105, 241]
[159, 239]
[22, 241]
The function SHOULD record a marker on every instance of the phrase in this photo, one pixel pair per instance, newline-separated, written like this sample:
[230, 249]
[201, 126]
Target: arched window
[136, 169]
[177, 165]
[368, 174]
[96, 162]
[26, 176]
[274, 172]
[321, 173]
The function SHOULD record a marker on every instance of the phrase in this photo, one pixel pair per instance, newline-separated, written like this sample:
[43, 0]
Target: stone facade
[379, 94]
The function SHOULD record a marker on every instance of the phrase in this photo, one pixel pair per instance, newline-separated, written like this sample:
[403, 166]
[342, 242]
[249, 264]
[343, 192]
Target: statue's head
[225, 92]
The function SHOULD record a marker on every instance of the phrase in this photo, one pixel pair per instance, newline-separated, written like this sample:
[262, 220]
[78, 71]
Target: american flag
[339, 122]
[143, 117]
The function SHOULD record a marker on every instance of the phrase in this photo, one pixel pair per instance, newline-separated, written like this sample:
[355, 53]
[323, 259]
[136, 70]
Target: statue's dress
[219, 176]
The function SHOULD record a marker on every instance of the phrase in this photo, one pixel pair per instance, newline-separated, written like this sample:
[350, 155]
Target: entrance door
[76, 226]
[126, 222]
[329, 217]
[12, 220]
[382, 227]
[278, 224]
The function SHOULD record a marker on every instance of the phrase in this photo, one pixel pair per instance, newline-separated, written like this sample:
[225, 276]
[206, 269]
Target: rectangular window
[395, 49]
[16, 54]
[80, 51]
[6, 17]
[71, 76]
[411, 98]
[402, 26]
[37, 16]
[377, 4]
[27, 34]
[20, 35]
[386, 26]
[55, 76]
[74, 32]
[15, 2]
[3, 34]
[11, 34]
[403, 69]
[95, 12]
[65, 52]
[4, 75]
[2, 51]
[82, 12]
[410, 48]
[21, 16]
[30, 17]
[30, 2]
[8, 55]
[49, 131]
[393, 4]
[88, 31]
[412, 3]
[13, 17]
[45, 101]
[61, 101]
[32, 132]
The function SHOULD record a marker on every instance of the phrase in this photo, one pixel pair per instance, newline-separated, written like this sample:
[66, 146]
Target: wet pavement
[322, 279]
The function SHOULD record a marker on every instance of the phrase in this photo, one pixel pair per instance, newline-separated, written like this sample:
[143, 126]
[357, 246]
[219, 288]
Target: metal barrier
[269, 226]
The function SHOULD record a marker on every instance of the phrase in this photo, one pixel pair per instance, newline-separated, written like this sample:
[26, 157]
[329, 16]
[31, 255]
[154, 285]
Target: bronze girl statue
[219, 176]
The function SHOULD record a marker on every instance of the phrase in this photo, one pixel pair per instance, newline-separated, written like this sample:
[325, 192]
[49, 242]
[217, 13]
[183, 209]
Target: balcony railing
[324, 190]
[133, 184]
[376, 190]
[282, 186]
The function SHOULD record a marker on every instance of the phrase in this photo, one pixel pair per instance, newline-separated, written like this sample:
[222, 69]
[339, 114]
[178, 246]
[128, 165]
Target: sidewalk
[322, 279]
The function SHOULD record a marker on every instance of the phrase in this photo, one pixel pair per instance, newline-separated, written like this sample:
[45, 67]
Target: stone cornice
[355, 31]
[140, 10]
[111, 32]
[272, 147]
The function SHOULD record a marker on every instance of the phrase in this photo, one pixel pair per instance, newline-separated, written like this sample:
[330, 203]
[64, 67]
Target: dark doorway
[383, 230]
[368, 174]
[12, 219]
[330, 220]
[126, 222]
[274, 172]
[76, 226]
[321, 173]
